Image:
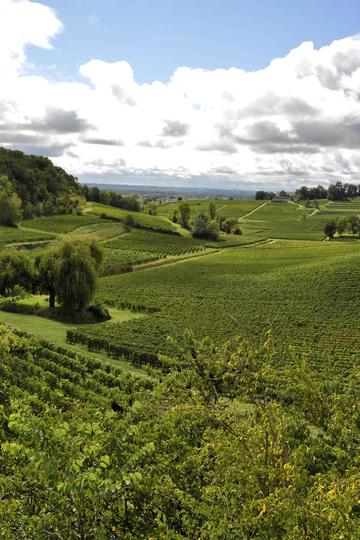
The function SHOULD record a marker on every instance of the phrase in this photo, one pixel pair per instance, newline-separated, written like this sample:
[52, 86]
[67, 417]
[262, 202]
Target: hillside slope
[41, 187]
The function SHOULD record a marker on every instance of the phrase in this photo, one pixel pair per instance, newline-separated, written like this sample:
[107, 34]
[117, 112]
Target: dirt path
[38, 231]
[255, 210]
[173, 260]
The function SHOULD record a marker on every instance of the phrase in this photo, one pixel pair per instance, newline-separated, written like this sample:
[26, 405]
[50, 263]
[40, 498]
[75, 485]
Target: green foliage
[76, 279]
[10, 212]
[229, 224]
[341, 225]
[111, 198]
[226, 446]
[212, 210]
[68, 270]
[264, 195]
[41, 188]
[16, 269]
[205, 229]
[184, 210]
[330, 229]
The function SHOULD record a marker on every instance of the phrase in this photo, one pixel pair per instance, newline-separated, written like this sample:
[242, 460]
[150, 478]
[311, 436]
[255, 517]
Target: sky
[166, 92]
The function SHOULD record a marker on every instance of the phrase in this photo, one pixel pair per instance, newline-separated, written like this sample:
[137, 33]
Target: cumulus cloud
[296, 120]
[175, 128]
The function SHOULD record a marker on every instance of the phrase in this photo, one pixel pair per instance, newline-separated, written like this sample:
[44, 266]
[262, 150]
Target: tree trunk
[52, 299]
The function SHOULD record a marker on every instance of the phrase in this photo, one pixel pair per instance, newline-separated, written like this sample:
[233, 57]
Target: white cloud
[297, 120]
[24, 23]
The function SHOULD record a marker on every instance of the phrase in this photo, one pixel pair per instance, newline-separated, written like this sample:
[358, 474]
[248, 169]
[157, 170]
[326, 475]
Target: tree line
[335, 192]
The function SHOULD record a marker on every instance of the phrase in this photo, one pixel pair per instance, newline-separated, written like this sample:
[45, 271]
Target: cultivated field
[279, 275]
[305, 292]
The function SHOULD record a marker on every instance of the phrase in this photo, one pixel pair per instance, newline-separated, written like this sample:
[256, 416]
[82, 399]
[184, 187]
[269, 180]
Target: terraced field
[60, 224]
[279, 220]
[306, 292]
[142, 219]
[12, 235]
[160, 244]
[225, 207]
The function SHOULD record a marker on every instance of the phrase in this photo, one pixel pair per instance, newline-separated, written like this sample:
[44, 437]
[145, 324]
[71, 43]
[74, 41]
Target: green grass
[60, 224]
[55, 331]
[15, 235]
[102, 231]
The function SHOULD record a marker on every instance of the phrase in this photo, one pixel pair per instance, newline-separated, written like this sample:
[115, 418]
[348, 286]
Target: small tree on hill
[229, 224]
[212, 210]
[205, 228]
[341, 225]
[184, 209]
[354, 224]
[330, 229]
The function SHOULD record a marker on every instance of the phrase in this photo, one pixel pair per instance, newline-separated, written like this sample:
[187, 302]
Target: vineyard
[144, 220]
[225, 207]
[306, 292]
[54, 376]
[158, 386]
[162, 245]
[12, 235]
[60, 224]
[117, 261]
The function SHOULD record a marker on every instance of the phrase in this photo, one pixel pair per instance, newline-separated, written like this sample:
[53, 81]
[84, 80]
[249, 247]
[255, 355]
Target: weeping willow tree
[68, 272]
[76, 280]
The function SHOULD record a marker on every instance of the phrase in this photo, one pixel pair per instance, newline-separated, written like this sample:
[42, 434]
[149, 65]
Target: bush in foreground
[227, 446]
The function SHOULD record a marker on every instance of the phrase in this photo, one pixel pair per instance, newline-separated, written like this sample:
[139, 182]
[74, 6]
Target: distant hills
[175, 192]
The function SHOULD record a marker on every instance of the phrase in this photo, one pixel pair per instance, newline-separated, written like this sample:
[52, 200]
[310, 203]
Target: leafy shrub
[100, 312]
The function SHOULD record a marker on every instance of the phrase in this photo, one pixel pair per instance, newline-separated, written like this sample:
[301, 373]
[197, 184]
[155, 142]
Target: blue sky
[218, 93]
[157, 36]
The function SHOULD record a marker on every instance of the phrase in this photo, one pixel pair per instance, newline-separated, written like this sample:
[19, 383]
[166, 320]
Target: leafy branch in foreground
[228, 445]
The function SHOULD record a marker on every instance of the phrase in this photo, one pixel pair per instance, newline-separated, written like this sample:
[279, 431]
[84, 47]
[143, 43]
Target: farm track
[112, 238]
[39, 231]
[164, 262]
[255, 210]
